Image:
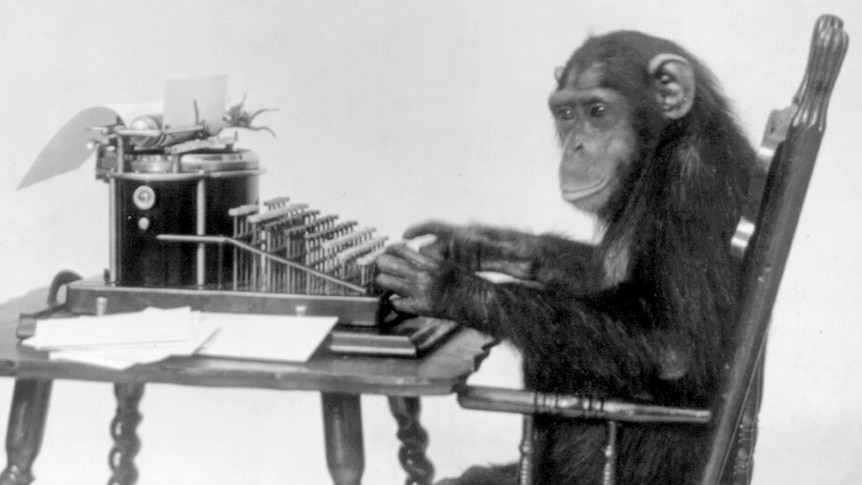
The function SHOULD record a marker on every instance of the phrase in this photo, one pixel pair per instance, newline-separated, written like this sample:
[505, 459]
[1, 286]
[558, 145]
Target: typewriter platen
[187, 228]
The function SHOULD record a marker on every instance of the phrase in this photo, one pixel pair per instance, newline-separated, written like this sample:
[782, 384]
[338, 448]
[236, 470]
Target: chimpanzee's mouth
[576, 194]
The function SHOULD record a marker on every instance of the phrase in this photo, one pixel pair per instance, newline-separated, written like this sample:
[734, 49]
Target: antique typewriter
[187, 228]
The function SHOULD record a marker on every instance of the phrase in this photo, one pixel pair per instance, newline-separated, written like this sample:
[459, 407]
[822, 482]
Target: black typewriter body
[152, 201]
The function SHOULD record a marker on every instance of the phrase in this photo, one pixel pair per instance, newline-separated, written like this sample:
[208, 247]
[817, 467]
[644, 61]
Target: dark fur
[658, 331]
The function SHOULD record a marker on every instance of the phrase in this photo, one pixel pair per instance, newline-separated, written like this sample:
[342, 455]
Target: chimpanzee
[649, 146]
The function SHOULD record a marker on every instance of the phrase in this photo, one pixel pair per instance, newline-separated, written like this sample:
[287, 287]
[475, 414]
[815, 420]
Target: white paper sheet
[147, 326]
[192, 100]
[122, 340]
[265, 337]
[68, 149]
[124, 355]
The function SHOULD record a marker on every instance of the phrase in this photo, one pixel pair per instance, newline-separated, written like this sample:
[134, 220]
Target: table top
[440, 371]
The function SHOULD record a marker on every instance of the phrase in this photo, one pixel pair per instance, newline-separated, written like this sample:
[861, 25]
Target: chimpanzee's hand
[451, 243]
[416, 278]
[478, 248]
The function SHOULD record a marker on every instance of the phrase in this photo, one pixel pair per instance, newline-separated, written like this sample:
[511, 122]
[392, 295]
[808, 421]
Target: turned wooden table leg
[414, 440]
[124, 428]
[26, 428]
[342, 427]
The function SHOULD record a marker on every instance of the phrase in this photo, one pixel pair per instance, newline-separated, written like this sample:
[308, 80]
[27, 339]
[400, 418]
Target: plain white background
[390, 113]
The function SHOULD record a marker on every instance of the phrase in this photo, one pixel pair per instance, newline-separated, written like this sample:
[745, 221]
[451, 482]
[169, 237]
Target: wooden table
[340, 380]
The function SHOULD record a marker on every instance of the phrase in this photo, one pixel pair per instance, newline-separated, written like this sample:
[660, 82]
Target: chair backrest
[787, 157]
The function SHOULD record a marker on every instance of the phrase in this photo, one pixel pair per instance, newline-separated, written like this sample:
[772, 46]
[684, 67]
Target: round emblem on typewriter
[144, 197]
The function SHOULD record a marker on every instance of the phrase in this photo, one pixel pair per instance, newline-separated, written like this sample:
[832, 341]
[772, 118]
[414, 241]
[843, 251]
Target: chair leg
[609, 476]
[26, 428]
[528, 451]
[124, 429]
[342, 428]
[414, 440]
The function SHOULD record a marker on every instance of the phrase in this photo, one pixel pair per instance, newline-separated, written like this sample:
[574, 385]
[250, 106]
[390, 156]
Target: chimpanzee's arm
[539, 258]
[557, 324]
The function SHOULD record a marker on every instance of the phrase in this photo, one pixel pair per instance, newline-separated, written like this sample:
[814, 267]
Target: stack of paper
[122, 340]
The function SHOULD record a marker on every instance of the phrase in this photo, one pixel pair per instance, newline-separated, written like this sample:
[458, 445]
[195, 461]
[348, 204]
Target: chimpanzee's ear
[558, 73]
[675, 84]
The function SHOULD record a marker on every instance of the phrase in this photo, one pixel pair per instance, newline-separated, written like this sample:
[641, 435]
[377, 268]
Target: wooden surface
[441, 371]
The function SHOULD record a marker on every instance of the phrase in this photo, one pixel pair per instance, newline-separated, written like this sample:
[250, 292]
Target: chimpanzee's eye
[597, 110]
[566, 114]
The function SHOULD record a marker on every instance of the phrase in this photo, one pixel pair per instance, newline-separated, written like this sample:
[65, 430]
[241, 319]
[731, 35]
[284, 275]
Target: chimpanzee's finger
[436, 228]
[393, 283]
[406, 305]
[436, 250]
[415, 258]
[394, 264]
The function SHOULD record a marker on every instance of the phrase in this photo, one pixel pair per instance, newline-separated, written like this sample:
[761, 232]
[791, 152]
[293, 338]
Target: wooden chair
[764, 235]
